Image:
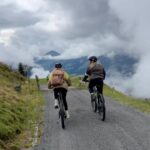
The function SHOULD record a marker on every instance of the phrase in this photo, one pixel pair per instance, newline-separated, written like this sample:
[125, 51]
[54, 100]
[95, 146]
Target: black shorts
[98, 82]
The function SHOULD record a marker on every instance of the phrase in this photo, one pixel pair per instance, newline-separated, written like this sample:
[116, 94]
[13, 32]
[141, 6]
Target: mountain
[121, 63]
[52, 53]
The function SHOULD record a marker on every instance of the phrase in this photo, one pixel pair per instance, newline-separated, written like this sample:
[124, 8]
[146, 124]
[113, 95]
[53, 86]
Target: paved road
[124, 128]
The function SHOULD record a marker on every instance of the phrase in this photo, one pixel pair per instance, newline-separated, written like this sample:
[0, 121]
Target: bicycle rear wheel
[62, 116]
[101, 107]
[62, 111]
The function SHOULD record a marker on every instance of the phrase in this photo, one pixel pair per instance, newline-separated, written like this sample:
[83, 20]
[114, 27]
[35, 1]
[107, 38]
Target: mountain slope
[121, 63]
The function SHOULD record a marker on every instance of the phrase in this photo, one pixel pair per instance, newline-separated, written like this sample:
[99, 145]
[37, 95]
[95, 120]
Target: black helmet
[58, 65]
[93, 58]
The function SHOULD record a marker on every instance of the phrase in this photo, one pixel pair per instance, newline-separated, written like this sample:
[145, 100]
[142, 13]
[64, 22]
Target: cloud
[12, 17]
[5, 36]
[40, 72]
[89, 18]
[28, 5]
[60, 25]
[135, 23]
[141, 79]
[136, 85]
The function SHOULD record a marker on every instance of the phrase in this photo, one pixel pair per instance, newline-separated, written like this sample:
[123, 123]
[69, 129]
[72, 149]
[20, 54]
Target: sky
[31, 28]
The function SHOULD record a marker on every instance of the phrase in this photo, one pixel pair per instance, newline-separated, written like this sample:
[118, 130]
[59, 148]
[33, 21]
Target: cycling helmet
[93, 58]
[58, 65]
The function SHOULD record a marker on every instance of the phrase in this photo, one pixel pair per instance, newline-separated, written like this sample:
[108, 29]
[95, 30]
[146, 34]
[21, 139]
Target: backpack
[57, 77]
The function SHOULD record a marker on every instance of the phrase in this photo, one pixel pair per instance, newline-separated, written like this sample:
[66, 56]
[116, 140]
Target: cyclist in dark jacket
[96, 74]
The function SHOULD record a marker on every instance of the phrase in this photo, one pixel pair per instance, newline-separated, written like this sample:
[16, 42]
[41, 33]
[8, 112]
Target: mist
[135, 19]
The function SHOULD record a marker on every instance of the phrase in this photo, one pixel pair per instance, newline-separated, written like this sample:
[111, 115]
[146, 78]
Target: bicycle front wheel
[101, 107]
[62, 111]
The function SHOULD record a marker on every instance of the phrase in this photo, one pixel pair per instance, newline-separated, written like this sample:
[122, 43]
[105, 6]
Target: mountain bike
[61, 112]
[98, 103]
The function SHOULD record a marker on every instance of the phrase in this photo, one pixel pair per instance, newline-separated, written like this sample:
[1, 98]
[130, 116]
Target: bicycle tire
[62, 116]
[94, 101]
[62, 111]
[101, 107]
[94, 105]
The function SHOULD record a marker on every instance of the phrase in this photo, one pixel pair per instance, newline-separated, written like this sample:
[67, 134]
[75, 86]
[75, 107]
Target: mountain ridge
[122, 63]
[52, 53]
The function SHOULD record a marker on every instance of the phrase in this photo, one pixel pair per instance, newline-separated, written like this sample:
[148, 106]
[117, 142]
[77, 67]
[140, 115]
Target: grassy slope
[18, 110]
[139, 104]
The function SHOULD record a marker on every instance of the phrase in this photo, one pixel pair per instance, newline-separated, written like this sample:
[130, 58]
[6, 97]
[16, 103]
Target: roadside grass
[75, 81]
[43, 81]
[33, 112]
[20, 112]
[140, 104]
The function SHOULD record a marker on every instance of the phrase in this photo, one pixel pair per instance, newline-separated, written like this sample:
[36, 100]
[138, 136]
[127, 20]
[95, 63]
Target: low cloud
[141, 79]
[40, 72]
[135, 24]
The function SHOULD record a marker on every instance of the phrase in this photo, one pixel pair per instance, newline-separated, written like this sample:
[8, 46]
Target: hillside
[18, 110]
[140, 104]
[121, 63]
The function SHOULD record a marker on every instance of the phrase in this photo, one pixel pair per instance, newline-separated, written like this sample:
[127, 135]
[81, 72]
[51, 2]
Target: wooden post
[37, 82]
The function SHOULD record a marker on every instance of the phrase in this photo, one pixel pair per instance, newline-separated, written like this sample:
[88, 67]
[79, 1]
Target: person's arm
[104, 72]
[88, 71]
[49, 81]
[67, 78]
[85, 77]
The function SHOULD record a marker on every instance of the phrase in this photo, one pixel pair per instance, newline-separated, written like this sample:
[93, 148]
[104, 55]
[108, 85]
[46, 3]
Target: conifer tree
[21, 69]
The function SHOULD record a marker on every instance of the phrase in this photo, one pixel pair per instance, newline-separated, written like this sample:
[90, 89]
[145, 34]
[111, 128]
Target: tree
[21, 69]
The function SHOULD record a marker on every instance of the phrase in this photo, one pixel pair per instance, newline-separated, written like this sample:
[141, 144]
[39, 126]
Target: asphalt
[125, 128]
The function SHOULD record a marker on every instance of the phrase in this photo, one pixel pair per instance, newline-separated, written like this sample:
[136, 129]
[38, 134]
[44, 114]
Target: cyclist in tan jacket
[59, 81]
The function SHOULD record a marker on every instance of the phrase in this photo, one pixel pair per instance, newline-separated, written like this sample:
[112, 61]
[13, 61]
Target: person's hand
[49, 85]
[85, 78]
[82, 82]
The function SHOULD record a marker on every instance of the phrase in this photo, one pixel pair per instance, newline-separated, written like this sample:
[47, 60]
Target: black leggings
[96, 82]
[64, 93]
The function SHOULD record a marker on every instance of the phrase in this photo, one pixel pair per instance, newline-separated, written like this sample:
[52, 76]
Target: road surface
[124, 129]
